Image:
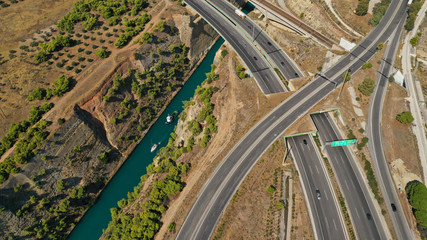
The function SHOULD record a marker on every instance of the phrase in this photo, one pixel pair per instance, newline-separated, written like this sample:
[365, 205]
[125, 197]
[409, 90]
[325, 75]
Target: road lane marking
[335, 225]
[357, 213]
[311, 171]
[346, 184]
[317, 169]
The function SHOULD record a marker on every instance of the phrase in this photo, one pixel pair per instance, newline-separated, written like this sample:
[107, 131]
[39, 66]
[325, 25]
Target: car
[269, 43]
[304, 141]
[393, 207]
[318, 194]
[368, 215]
[255, 58]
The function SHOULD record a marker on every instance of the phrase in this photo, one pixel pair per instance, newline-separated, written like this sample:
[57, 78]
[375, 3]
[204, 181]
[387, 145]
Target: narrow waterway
[98, 217]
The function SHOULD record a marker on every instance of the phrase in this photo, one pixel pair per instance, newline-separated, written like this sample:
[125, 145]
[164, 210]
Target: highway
[223, 183]
[265, 76]
[375, 144]
[356, 193]
[278, 57]
[325, 215]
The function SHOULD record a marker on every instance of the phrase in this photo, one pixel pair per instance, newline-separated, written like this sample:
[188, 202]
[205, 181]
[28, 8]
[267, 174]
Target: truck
[240, 13]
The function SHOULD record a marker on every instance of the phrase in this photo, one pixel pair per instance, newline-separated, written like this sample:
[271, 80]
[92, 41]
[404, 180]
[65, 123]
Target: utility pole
[346, 77]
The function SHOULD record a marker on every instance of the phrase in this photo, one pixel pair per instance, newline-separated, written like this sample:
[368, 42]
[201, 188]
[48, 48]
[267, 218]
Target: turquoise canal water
[98, 217]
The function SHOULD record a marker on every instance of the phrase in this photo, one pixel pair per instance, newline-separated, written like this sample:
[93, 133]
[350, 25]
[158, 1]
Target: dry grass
[22, 20]
[345, 9]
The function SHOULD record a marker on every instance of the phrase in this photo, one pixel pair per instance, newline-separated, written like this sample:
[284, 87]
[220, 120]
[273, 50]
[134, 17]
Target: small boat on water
[171, 117]
[154, 147]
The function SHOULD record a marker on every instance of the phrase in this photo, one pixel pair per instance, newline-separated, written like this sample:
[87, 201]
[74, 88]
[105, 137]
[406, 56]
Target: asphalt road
[223, 183]
[326, 217]
[375, 144]
[352, 185]
[265, 76]
[278, 57]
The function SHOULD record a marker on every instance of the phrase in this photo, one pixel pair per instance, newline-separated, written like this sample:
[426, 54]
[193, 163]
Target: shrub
[362, 7]
[60, 185]
[224, 53]
[40, 57]
[172, 226]
[405, 117]
[367, 87]
[36, 94]
[271, 189]
[367, 65]
[414, 41]
[61, 121]
[102, 53]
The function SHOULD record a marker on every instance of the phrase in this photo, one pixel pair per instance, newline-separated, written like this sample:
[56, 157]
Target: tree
[40, 57]
[62, 85]
[414, 41]
[380, 46]
[346, 76]
[102, 53]
[60, 185]
[417, 193]
[36, 94]
[147, 37]
[172, 226]
[271, 189]
[367, 87]
[405, 117]
[280, 205]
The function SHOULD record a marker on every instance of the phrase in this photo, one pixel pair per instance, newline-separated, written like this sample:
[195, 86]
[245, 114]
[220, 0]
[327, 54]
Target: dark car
[318, 194]
[255, 58]
[304, 141]
[393, 207]
[368, 215]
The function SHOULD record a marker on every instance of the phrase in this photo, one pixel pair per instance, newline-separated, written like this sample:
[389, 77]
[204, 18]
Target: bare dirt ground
[345, 8]
[314, 14]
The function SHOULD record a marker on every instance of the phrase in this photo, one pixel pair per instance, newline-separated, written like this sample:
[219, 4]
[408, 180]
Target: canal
[98, 216]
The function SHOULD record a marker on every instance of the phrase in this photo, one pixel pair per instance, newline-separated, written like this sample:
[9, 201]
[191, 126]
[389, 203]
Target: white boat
[154, 147]
[171, 117]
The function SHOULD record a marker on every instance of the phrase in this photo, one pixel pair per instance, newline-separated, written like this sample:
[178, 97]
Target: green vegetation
[346, 76]
[147, 38]
[133, 27]
[60, 185]
[109, 10]
[104, 156]
[380, 46]
[102, 53]
[367, 65]
[146, 224]
[30, 139]
[405, 117]
[417, 193]
[367, 87]
[56, 44]
[362, 7]
[414, 8]
[414, 41]
[241, 72]
[61, 86]
[378, 11]
[224, 53]
[361, 144]
[372, 181]
[271, 189]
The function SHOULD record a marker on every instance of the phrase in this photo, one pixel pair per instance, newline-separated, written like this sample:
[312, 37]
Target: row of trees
[417, 193]
[414, 8]
[112, 11]
[379, 10]
[30, 139]
[61, 86]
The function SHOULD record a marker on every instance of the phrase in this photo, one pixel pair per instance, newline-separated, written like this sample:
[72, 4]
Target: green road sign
[343, 142]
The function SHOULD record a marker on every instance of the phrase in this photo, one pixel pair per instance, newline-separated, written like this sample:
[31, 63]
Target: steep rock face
[197, 34]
